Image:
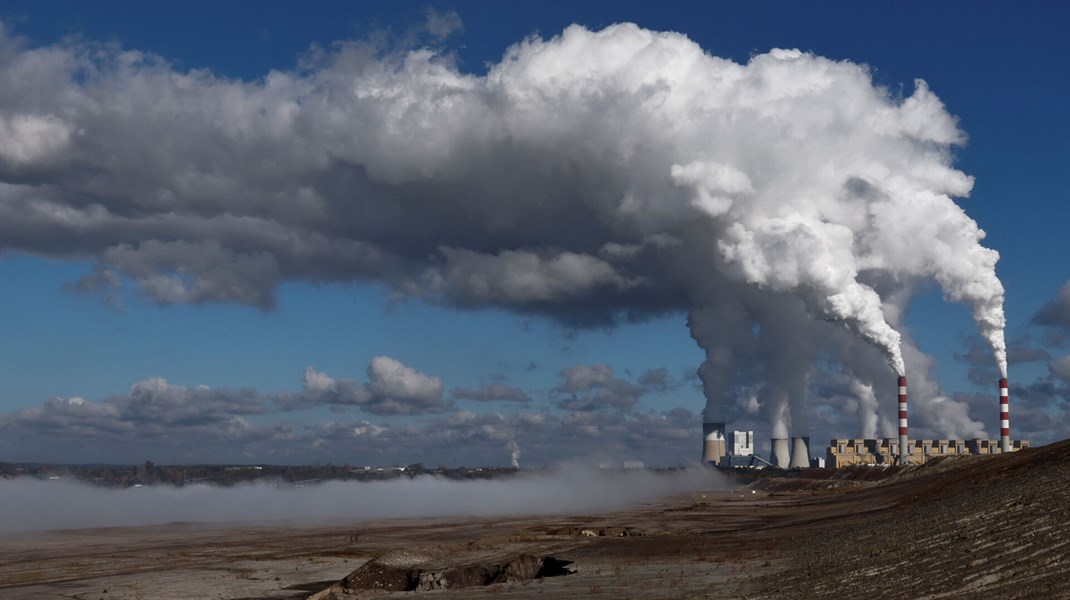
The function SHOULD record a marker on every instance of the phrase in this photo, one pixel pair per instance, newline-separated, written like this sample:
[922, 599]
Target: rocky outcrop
[404, 571]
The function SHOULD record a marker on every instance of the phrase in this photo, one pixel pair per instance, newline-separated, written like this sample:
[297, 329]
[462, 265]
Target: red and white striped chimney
[903, 450]
[1004, 418]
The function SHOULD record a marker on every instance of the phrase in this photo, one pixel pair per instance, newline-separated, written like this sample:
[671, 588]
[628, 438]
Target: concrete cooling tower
[713, 442]
[800, 453]
[780, 455]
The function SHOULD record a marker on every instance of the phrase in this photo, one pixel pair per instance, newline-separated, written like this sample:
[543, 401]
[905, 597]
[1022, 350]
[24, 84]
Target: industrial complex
[736, 449]
[843, 452]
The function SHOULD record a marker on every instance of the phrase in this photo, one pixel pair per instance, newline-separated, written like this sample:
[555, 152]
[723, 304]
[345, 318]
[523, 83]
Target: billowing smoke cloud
[41, 505]
[594, 176]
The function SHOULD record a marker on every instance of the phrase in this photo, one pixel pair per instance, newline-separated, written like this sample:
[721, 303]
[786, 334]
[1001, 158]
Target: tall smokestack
[904, 454]
[1004, 418]
[781, 453]
[712, 442]
[800, 453]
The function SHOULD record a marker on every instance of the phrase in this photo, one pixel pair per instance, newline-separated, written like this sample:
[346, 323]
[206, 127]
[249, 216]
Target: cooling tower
[904, 449]
[1004, 418]
[800, 453]
[781, 453]
[712, 442]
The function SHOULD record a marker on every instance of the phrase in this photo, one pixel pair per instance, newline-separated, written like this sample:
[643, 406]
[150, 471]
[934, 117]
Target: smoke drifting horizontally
[589, 177]
[31, 505]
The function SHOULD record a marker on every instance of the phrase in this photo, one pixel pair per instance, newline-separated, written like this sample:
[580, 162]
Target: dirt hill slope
[986, 526]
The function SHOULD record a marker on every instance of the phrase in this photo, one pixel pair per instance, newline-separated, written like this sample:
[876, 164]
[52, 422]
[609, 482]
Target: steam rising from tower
[789, 204]
[514, 454]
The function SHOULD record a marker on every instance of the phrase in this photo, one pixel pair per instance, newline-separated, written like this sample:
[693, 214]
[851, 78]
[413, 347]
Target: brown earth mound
[407, 571]
[982, 526]
[426, 577]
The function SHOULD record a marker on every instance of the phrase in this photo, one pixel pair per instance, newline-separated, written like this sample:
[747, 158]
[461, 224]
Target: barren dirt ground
[973, 527]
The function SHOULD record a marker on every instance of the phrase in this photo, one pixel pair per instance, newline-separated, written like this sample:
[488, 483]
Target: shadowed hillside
[979, 526]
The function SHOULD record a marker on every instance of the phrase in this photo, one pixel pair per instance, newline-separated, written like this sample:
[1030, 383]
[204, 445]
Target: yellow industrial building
[843, 452]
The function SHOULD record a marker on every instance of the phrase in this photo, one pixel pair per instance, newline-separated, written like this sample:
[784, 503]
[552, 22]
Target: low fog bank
[33, 505]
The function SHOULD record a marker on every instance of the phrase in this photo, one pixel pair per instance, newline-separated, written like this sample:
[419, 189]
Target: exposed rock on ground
[406, 571]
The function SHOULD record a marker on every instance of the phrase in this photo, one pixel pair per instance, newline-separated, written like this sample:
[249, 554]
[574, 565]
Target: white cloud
[392, 389]
[405, 388]
[161, 421]
[316, 381]
[25, 139]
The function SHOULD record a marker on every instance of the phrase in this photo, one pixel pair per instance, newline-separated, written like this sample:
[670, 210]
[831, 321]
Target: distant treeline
[150, 473]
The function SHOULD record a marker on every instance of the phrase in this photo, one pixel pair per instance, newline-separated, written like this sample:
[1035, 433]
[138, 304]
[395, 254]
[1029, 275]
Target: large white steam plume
[588, 176]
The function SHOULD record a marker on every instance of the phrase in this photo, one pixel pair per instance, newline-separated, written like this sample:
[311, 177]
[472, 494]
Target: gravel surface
[977, 527]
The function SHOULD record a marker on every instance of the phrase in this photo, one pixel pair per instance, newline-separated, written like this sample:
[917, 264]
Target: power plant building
[843, 452]
[741, 443]
[741, 452]
[737, 449]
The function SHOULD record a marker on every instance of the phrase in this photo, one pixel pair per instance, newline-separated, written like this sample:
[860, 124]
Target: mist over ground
[37, 505]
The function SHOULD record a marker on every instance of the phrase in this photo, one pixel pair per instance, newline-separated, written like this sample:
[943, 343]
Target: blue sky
[82, 319]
